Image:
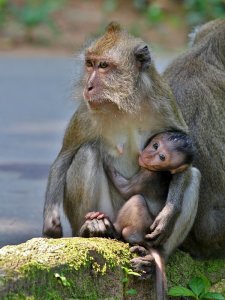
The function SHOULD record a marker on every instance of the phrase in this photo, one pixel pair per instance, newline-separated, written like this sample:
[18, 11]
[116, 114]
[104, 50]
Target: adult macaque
[125, 103]
[168, 152]
[197, 79]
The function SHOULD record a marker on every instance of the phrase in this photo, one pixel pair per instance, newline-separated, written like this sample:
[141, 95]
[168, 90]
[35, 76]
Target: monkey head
[210, 36]
[114, 66]
[167, 152]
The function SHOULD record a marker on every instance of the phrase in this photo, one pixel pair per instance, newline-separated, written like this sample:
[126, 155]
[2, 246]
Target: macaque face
[159, 155]
[97, 70]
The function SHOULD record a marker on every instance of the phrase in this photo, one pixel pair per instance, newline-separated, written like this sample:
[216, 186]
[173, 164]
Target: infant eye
[103, 65]
[162, 157]
[89, 63]
[155, 146]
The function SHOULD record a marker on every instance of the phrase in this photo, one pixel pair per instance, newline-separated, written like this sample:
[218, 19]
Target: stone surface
[89, 269]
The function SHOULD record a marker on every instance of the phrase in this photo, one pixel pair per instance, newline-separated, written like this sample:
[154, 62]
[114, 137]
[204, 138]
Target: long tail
[161, 282]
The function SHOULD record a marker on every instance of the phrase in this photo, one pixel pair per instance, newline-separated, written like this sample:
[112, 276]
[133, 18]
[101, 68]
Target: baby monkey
[166, 154]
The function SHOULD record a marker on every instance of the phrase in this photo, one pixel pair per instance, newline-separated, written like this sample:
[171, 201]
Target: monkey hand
[161, 228]
[97, 224]
[52, 226]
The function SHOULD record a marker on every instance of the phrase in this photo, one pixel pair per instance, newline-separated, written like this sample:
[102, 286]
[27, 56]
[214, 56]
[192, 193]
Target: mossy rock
[78, 268]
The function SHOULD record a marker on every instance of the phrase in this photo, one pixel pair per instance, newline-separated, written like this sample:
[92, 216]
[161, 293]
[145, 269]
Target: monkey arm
[182, 186]
[128, 187]
[73, 139]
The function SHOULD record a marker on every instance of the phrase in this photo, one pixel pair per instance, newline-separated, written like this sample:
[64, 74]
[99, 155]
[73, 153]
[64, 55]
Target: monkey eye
[162, 157]
[155, 146]
[89, 63]
[103, 65]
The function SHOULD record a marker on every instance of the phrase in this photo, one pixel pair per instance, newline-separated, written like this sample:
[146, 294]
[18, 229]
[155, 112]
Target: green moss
[181, 268]
[82, 263]
[78, 268]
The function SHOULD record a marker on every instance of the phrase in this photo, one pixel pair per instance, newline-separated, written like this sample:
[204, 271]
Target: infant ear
[142, 56]
[179, 169]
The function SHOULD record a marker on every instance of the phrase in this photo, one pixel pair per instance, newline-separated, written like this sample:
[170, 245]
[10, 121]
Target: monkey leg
[86, 190]
[183, 223]
[132, 223]
[187, 215]
[133, 220]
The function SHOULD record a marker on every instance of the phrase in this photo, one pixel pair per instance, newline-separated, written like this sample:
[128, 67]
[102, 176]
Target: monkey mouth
[96, 103]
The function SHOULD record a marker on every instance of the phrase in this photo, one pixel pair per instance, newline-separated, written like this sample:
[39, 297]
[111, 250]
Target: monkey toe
[143, 265]
[93, 228]
[53, 232]
[141, 251]
[52, 228]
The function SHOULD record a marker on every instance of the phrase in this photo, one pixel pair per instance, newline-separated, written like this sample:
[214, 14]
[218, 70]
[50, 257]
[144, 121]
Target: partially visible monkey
[125, 103]
[167, 153]
[171, 152]
[197, 79]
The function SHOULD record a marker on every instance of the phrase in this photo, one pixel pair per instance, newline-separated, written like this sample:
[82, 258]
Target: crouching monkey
[125, 102]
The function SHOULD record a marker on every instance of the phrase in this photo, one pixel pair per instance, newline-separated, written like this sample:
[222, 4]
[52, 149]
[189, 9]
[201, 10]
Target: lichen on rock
[79, 268]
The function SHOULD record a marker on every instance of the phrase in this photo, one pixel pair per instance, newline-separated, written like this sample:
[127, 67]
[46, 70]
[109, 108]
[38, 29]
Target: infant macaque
[167, 153]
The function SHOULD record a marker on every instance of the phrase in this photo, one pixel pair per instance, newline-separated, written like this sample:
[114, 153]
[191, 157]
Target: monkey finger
[107, 223]
[84, 230]
[89, 229]
[101, 216]
[101, 228]
[153, 235]
[161, 239]
[111, 231]
[141, 251]
[92, 215]
[154, 226]
[87, 216]
[94, 228]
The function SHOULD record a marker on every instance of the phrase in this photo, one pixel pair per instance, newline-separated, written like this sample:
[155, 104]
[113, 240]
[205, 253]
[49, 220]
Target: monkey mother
[125, 103]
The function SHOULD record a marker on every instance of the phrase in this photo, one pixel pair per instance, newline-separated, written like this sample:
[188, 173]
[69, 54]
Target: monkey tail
[161, 282]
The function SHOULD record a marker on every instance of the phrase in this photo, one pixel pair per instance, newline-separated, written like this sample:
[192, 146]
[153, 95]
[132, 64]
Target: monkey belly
[87, 189]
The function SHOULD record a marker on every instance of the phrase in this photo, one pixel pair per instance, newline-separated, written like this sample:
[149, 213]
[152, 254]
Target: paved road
[36, 103]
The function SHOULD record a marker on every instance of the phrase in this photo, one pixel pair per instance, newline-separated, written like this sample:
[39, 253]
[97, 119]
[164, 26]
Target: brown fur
[108, 41]
[134, 103]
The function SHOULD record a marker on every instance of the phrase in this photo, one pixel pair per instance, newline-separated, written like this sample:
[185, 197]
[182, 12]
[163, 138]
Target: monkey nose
[90, 87]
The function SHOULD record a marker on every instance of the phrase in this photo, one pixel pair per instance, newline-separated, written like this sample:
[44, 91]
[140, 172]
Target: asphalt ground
[35, 106]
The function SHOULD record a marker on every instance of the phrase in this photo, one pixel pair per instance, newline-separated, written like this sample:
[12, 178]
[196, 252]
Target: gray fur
[197, 79]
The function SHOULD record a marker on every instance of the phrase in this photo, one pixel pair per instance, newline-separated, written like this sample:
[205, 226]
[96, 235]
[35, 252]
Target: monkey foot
[98, 225]
[139, 250]
[144, 265]
[52, 227]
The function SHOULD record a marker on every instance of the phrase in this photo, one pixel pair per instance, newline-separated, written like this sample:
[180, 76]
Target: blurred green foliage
[199, 11]
[154, 13]
[196, 11]
[110, 5]
[3, 11]
[30, 14]
[33, 12]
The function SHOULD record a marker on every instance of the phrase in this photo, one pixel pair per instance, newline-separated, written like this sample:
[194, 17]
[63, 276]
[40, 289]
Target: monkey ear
[142, 56]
